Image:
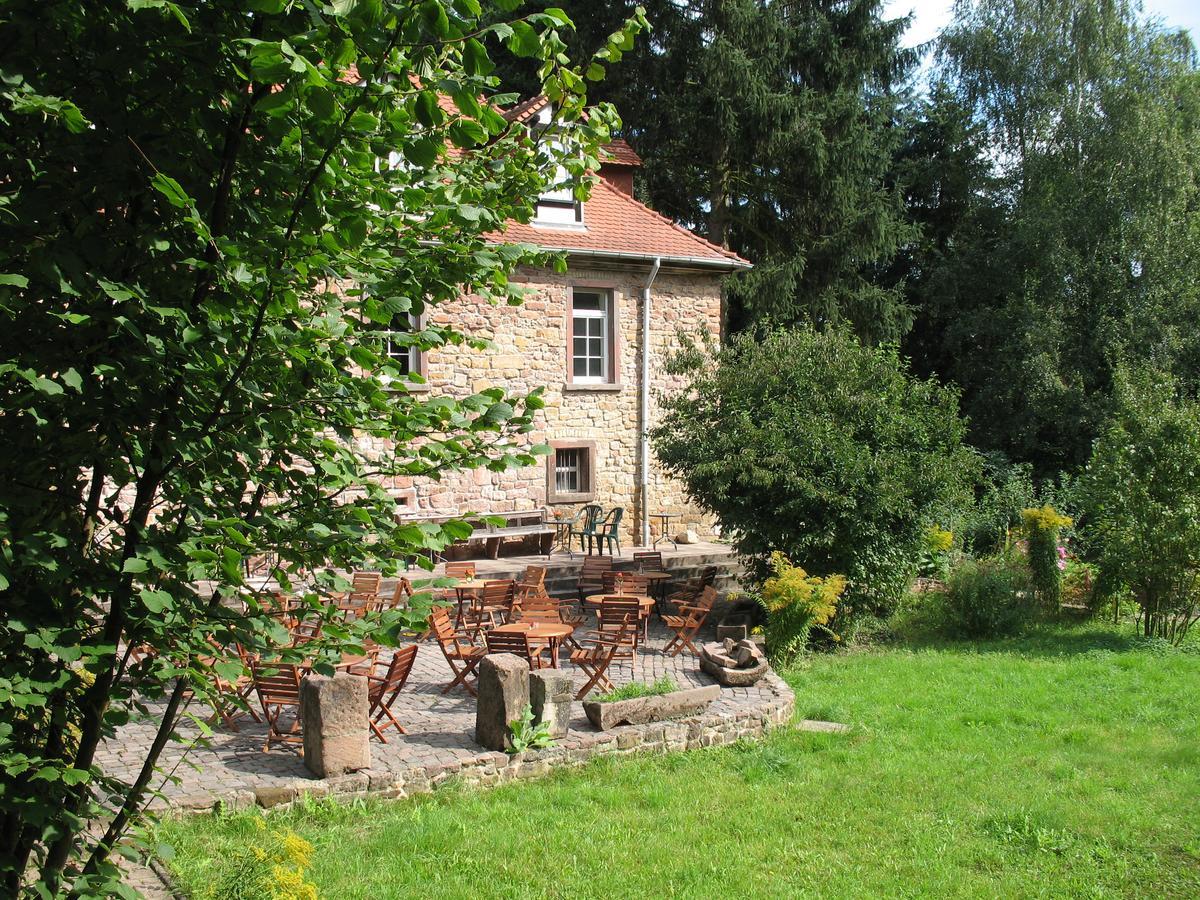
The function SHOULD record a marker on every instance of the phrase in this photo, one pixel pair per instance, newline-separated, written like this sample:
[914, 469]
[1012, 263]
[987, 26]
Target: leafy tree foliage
[216, 208]
[770, 126]
[1055, 171]
[811, 444]
[1142, 496]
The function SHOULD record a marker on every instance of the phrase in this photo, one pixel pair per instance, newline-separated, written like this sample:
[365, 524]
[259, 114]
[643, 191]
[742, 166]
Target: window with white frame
[591, 336]
[403, 356]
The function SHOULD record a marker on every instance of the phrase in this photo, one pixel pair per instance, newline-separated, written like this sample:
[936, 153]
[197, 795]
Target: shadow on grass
[1044, 640]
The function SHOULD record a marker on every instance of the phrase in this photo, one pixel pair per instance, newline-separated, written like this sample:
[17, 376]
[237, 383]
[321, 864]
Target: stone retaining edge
[490, 768]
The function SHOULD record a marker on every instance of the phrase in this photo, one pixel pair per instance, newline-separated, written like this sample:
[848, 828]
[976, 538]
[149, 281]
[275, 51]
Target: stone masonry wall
[529, 349]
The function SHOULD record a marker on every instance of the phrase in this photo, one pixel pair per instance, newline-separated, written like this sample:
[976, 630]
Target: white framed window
[591, 336]
[407, 359]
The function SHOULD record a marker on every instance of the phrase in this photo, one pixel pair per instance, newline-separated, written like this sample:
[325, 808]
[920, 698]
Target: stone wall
[770, 704]
[529, 350]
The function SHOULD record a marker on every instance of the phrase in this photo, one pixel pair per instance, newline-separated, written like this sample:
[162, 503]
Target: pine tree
[770, 128]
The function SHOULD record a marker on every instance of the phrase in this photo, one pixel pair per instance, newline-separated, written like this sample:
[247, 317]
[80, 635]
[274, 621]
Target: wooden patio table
[553, 635]
[463, 589]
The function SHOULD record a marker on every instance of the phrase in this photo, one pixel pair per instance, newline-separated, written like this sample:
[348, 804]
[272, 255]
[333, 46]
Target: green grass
[1065, 764]
[637, 689]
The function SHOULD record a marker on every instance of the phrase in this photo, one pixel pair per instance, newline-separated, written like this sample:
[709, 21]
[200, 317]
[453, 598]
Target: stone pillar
[334, 713]
[503, 695]
[551, 692]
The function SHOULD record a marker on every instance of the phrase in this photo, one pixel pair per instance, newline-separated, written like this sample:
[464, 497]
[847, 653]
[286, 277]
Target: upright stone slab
[551, 692]
[336, 734]
[503, 694]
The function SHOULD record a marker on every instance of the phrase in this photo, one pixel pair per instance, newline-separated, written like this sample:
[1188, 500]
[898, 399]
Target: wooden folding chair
[230, 702]
[519, 645]
[600, 653]
[496, 601]
[401, 595]
[462, 570]
[591, 576]
[532, 583]
[625, 583]
[649, 560]
[382, 691]
[617, 610]
[303, 632]
[278, 689]
[691, 590]
[689, 623]
[461, 654]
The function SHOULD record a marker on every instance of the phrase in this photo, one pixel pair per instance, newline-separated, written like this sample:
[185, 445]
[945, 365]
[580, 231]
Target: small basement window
[571, 472]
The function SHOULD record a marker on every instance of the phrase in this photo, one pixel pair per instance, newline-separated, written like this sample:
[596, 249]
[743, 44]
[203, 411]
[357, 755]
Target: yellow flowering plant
[1047, 557]
[796, 603]
[272, 864]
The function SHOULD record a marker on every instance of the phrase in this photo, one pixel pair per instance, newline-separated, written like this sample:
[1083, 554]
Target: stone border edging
[491, 768]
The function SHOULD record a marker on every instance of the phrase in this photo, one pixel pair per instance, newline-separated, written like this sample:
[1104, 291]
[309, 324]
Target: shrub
[1042, 527]
[934, 560]
[812, 444]
[271, 864]
[989, 597]
[1004, 489]
[1142, 494]
[796, 603]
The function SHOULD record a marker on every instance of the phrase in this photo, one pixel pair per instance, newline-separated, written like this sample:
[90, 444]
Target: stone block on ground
[551, 692]
[503, 695]
[640, 710]
[336, 734]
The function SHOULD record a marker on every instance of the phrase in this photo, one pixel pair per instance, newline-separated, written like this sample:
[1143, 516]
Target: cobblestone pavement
[440, 730]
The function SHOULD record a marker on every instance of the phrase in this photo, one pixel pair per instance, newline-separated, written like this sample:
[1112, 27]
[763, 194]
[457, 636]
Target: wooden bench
[523, 524]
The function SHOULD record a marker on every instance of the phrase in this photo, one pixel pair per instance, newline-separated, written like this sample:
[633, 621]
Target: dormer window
[557, 205]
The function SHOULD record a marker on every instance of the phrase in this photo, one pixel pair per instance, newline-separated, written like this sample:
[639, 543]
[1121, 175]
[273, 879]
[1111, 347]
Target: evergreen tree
[770, 127]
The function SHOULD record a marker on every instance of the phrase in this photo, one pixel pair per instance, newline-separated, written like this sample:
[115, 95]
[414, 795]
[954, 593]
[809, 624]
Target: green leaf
[466, 133]
[171, 189]
[321, 103]
[525, 40]
[134, 566]
[14, 280]
[476, 60]
[71, 378]
[423, 152]
[426, 108]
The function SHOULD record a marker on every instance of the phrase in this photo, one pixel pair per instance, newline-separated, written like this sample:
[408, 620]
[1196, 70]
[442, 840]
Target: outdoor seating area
[429, 721]
[606, 621]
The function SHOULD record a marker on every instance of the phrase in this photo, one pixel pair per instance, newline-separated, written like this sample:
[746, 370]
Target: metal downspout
[644, 406]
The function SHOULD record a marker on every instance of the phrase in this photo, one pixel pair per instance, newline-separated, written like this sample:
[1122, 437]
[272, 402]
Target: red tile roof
[615, 223]
[619, 153]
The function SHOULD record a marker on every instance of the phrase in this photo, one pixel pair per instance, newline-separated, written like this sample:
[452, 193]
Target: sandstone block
[503, 694]
[551, 692]
[640, 710]
[336, 736]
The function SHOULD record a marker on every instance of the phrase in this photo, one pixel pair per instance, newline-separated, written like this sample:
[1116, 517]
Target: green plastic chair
[590, 515]
[608, 533]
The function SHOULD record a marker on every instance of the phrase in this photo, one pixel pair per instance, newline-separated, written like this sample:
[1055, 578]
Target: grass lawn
[1066, 763]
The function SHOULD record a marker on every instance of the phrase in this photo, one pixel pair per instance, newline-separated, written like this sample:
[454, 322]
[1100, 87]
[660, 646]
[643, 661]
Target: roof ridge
[704, 242]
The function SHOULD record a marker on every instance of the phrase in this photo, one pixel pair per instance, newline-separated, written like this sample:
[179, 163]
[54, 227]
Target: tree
[811, 444]
[217, 206]
[770, 127]
[1142, 500]
[1057, 174]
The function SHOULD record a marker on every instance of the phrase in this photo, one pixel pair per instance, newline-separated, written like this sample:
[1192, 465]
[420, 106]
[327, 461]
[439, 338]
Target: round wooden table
[552, 634]
[645, 600]
[463, 589]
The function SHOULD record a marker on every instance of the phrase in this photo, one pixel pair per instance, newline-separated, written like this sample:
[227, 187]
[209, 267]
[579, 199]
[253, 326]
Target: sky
[931, 15]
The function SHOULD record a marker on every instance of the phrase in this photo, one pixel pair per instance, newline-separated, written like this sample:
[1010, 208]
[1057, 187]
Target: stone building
[596, 339]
